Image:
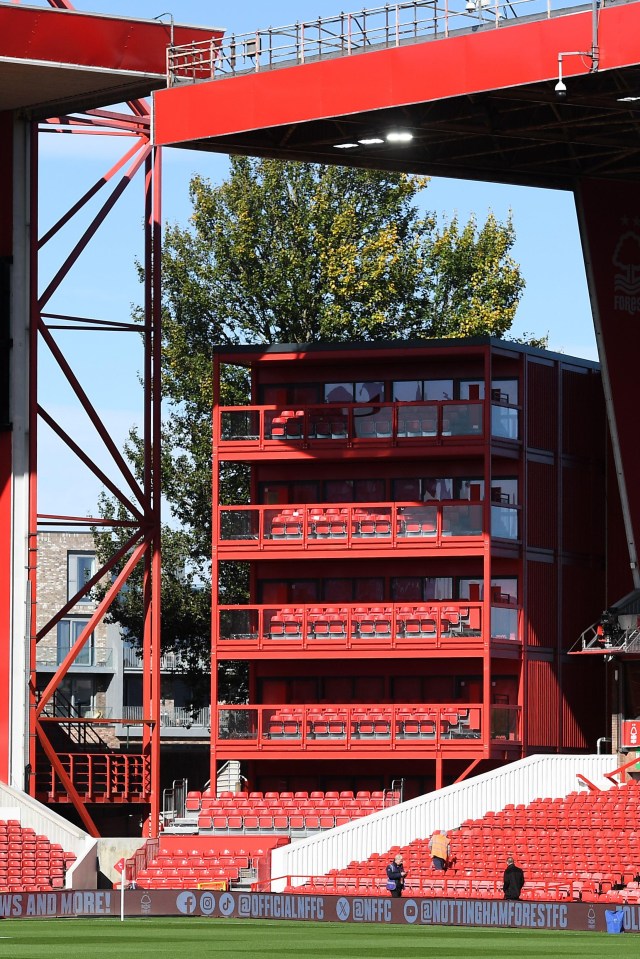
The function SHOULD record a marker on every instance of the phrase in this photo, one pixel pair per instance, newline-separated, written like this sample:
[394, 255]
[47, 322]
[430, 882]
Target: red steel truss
[56, 62]
[140, 499]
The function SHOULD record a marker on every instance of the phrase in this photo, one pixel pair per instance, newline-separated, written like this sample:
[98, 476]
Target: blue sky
[103, 283]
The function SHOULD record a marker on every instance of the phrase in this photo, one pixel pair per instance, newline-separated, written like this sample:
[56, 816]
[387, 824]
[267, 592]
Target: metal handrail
[391, 25]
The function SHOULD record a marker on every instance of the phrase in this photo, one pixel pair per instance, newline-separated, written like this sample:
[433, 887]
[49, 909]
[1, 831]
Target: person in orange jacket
[439, 849]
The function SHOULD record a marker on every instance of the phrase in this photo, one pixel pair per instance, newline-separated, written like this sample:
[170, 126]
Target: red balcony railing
[361, 727]
[347, 726]
[99, 777]
[396, 525]
[410, 627]
[264, 426]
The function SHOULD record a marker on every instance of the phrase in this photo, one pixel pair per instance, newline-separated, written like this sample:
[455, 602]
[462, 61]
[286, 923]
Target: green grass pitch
[196, 938]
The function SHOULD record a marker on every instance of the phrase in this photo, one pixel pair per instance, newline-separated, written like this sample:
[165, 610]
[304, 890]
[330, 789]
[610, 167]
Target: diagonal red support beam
[80, 453]
[91, 413]
[91, 192]
[92, 229]
[95, 618]
[131, 542]
[69, 788]
[467, 772]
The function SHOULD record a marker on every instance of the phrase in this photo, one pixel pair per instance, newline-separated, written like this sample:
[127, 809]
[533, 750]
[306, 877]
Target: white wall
[519, 782]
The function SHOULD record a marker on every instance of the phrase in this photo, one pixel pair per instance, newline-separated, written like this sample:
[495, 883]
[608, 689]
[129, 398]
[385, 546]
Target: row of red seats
[371, 621]
[197, 800]
[279, 822]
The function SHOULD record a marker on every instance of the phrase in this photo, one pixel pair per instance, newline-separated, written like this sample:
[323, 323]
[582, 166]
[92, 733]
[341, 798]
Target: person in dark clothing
[513, 880]
[396, 873]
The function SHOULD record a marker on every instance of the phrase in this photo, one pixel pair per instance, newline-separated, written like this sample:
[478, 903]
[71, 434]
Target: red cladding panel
[542, 505]
[60, 36]
[418, 73]
[584, 717]
[581, 420]
[541, 604]
[542, 406]
[583, 510]
[583, 599]
[543, 694]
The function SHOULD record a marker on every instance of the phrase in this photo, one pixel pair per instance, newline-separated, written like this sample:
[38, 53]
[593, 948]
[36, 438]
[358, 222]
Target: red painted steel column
[609, 217]
[215, 568]
[34, 320]
[6, 249]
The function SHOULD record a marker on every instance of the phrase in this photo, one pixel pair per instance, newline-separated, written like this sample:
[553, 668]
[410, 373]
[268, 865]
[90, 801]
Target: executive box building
[424, 538]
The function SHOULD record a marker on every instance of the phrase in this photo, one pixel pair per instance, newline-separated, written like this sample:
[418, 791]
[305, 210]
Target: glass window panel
[364, 423]
[338, 392]
[437, 488]
[304, 492]
[67, 634]
[507, 589]
[369, 392]
[504, 422]
[406, 589]
[369, 590]
[80, 569]
[505, 391]
[369, 491]
[407, 391]
[504, 522]
[405, 490]
[504, 491]
[438, 587]
[303, 591]
[338, 491]
[438, 390]
[471, 390]
[471, 589]
[338, 590]
[471, 489]
[305, 394]
[504, 623]
[462, 419]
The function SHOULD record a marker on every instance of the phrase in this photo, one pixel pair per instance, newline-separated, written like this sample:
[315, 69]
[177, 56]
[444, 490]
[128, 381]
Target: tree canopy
[293, 253]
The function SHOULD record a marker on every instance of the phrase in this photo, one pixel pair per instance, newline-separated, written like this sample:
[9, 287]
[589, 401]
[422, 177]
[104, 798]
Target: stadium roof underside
[480, 104]
[60, 60]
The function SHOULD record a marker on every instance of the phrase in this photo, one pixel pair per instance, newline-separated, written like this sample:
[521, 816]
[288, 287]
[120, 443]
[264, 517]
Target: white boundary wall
[519, 782]
[29, 812]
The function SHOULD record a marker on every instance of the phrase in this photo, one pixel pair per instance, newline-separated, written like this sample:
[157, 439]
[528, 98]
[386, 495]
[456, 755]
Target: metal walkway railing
[391, 25]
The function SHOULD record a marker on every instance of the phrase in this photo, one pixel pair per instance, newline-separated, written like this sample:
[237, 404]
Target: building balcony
[366, 527]
[172, 662]
[453, 628]
[329, 731]
[89, 659]
[267, 427]
[171, 717]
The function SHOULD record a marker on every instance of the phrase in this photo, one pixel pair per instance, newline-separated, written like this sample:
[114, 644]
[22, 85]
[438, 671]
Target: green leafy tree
[293, 253]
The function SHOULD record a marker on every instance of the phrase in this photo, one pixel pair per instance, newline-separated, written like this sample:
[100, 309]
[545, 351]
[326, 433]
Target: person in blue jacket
[395, 874]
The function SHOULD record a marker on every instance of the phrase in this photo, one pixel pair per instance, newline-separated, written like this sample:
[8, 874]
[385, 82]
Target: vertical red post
[34, 320]
[215, 566]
